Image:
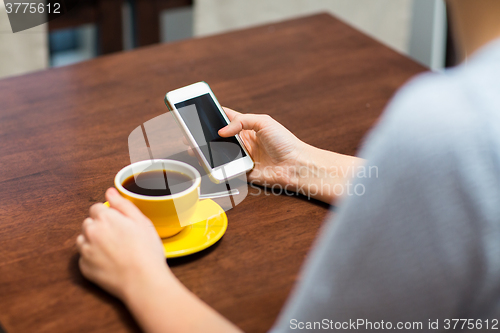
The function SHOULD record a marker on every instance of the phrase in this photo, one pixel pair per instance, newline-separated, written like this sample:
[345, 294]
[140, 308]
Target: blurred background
[417, 28]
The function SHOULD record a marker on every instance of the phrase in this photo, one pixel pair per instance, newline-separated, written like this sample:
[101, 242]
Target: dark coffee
[158, 182]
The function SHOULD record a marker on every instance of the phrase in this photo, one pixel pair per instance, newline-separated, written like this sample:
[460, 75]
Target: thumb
[247, 121]
[124, 206]
[230, 113]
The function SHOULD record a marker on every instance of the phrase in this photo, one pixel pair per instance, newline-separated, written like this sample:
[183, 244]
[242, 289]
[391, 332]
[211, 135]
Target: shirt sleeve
[404, 248]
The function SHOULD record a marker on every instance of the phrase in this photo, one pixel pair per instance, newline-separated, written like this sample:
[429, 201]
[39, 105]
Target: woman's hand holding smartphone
[275, 150]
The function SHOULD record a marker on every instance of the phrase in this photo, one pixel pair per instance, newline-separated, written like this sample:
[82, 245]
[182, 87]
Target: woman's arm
[325, 175]
[162, 304]
[284, 160]
[121, 252]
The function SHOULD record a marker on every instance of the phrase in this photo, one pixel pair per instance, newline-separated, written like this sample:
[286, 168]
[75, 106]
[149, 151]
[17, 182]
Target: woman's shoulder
[448, 103]
[441, 112]
[429, 113]
[440, 127]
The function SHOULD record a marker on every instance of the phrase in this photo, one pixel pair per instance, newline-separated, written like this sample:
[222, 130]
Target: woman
[419, 248]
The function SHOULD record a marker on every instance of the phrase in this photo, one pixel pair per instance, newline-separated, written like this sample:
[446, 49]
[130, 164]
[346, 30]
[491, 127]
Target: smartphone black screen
[204, 120]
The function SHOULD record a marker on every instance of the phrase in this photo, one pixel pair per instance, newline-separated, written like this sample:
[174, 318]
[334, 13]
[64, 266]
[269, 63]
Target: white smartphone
[200, 117]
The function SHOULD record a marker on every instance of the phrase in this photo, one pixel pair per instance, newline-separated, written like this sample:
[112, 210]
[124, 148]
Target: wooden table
[64, 136]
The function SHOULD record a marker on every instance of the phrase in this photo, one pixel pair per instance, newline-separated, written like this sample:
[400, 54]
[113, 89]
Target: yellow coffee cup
[169, 213]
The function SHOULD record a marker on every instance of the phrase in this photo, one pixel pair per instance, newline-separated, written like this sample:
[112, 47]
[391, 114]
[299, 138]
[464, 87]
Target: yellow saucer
[200, 235]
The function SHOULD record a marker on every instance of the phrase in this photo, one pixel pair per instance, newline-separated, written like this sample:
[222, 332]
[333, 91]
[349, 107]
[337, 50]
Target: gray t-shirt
[423, 242]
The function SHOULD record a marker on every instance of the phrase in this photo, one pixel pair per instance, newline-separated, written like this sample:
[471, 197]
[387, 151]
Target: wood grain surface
[64, 136]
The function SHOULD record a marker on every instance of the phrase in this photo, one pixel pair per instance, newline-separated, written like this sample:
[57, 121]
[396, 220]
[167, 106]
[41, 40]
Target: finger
[84, 248]
[124, 206]
[241, 122]
[84, 268]
[97, 209]
[230, 113]
[80, 240]
[185, 141]
[85, 227]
